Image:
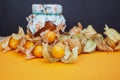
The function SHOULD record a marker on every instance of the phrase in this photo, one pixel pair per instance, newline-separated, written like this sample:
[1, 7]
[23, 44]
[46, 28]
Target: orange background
[92, 66]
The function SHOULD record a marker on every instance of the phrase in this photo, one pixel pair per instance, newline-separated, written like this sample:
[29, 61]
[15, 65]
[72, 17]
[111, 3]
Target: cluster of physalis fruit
[54, 45]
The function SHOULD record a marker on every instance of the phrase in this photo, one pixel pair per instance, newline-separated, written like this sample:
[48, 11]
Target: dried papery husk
[33, 39]
[110, 42]
[78, 44]
[112, 34]
[83, 41]
[89, 32]
[79, 36]
[117, 48]
[74, 43]
[20, 47]
[6, 49]
[80, 25]
[101, 44]
[28, 52]
[60, 27]
[47, 53]
[24, 38]
[19, 35]
[70, 56]
[60, 44]
[5, 44]
[44, 38]
[76, 29]
[71, 43]
[29, 33]
[90, 46]
[1, 40]
[63, 37]
[36, 40]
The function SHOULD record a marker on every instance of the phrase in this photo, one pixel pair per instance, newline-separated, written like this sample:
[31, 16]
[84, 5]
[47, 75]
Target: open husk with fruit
[54, 45]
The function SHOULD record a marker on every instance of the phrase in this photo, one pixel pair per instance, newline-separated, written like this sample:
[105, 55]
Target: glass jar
[45, 16]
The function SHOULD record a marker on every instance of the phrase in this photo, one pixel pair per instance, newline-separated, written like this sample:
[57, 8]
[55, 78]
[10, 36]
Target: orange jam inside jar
[44, 17]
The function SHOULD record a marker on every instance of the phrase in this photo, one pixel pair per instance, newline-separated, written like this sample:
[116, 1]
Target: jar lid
[47, 9]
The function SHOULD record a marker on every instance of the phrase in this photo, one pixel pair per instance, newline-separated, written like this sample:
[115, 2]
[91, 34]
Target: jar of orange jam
[45, 16]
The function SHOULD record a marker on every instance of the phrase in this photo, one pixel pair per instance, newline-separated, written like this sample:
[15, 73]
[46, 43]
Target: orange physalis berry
[13, 43]
[58, 51]
[28, 44]
[51, 36]
[38, 51]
